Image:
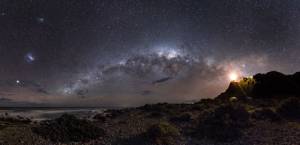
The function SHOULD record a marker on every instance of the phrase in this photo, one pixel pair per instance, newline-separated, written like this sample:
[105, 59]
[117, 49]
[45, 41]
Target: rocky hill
[263, 86]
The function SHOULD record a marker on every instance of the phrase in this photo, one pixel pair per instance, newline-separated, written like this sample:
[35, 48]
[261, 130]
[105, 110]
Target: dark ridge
[270, 85]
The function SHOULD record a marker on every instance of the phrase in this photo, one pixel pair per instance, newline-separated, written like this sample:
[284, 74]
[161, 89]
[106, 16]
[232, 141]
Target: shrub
[205, 104]
[100, 117]
[163, 133]
[224, 124]
[68, 128]
[182, 118]
[290, 108]
[156, 115]
[266, 114]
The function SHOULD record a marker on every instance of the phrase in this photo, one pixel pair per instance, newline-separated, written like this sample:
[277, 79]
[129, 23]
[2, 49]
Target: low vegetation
[68, 128]
[163, 133]
[225, 123]
[290, 108]
[266, 114]
[186, 117]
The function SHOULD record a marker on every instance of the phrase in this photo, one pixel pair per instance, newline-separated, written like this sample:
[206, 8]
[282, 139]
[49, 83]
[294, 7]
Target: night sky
[132, 52]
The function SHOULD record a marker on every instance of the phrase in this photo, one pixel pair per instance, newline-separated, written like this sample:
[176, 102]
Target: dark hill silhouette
[270, 85]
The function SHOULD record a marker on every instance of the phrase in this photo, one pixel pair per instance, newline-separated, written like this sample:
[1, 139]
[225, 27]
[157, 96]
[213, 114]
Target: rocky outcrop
[270, 85]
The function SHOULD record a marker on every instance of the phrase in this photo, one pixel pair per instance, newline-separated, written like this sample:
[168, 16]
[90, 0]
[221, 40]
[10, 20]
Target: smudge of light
[84, 82]
[122, 62]
[67, 91]
[29, 57]
[209, 61]
[41, 20]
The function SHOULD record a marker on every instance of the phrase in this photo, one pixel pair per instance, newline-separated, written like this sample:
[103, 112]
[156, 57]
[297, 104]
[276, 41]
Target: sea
[44, 113]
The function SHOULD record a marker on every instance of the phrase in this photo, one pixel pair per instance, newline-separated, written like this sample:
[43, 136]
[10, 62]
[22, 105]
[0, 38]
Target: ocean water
[38, 114]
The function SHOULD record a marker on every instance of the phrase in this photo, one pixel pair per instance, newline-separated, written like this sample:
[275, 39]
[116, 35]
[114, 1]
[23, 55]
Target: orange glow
[233, 76]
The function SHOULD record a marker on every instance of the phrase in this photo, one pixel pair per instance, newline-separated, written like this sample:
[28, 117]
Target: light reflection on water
[38, 114]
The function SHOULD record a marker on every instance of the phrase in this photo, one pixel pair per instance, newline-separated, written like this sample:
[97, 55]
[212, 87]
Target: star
[41, 19]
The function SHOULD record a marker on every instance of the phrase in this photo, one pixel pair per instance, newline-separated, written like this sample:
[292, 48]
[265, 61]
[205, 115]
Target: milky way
[131, 52]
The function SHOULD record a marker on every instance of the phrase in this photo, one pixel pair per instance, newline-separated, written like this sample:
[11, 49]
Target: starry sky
[132, 52]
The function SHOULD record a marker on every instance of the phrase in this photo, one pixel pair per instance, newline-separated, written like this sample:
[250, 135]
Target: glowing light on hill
[233, 76]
